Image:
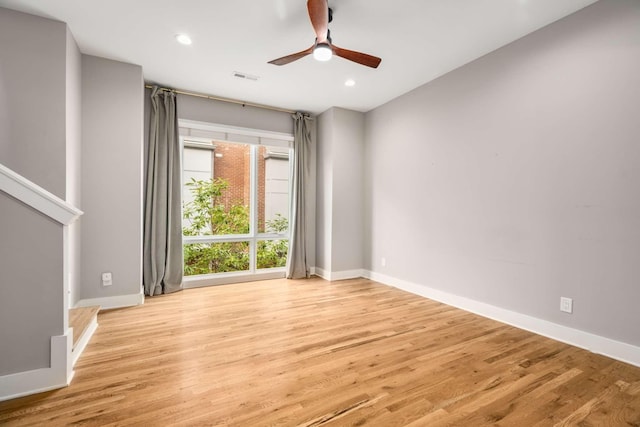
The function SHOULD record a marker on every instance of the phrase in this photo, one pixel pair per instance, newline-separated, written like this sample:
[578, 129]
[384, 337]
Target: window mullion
[253, 203]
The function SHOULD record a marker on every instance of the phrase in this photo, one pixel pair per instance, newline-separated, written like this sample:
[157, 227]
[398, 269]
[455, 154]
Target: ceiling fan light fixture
[323, 49]
[322, 52]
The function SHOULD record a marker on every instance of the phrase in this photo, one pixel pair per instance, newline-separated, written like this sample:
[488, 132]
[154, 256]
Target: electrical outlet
[106, 279]
[566, 305]
[383, 261]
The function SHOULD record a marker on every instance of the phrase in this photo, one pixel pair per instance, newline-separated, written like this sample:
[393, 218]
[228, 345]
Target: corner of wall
[58, 375]
[108, 191]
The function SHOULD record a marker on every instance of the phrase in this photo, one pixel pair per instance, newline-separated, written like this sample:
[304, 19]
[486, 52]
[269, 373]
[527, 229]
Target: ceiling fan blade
[293, 57]
[359, 57]
[319, 16]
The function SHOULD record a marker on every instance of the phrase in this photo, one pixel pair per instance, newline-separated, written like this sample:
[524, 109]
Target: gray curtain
[297, 266]
[162, 247]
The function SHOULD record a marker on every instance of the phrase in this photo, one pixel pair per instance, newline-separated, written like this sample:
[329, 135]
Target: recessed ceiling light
[350, 83]
[183, 39]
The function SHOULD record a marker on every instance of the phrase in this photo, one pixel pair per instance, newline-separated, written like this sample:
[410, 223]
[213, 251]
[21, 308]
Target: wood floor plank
[79, 319]
[316, 353]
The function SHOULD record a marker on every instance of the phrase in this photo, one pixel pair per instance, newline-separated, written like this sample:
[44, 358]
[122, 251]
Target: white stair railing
[37, 197]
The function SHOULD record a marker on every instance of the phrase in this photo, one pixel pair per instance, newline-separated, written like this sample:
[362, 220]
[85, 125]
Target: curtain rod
[218, 98]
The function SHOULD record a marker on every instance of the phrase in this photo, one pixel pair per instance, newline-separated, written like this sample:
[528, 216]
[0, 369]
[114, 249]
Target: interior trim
[594, 343]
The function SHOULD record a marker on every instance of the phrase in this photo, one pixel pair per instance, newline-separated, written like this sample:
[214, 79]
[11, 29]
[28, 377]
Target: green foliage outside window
[208, 216]
[273, 253]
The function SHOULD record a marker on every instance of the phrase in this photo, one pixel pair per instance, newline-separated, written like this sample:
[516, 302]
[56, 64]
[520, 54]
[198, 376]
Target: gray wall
[348, 187]
[324, 188]
[31, 291]
[514, 179]
[225, 113]
[112, 131]
[73, 129]
[32, 89]
[340, 190]
[39, 79]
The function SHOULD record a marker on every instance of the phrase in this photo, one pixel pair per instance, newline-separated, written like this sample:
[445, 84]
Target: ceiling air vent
[246, 76]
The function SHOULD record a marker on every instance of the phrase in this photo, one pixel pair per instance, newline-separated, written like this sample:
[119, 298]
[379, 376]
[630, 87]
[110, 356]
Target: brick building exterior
[232, 162]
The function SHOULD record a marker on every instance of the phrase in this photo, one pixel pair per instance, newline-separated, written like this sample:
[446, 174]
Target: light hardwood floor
[314, 353]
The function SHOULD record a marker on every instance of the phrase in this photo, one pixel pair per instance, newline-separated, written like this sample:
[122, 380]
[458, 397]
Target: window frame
[206, 135]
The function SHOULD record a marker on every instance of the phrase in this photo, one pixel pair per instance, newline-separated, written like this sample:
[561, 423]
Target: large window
[235, 201]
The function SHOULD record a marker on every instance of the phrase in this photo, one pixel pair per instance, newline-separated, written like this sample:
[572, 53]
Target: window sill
[229, 278]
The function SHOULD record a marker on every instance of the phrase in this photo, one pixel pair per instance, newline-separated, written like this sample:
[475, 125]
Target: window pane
[206, 258]
[272, 253]
[197, 166]
[217, 204]
[273, 189]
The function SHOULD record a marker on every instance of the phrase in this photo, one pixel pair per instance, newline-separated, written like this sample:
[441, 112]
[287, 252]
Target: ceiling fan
[323, 49]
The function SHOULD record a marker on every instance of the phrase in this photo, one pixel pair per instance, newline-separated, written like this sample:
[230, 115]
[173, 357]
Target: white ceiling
[418, 40]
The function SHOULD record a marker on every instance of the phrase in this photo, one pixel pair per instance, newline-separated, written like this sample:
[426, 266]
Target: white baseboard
[595, 343]
[338, 275]
[117, 301]
[58, 375]
[320, 272]
[84, 340]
